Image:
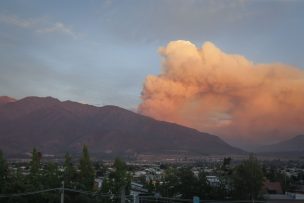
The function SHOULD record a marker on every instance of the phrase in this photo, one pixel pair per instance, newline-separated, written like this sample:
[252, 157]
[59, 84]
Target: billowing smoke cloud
[225, 94]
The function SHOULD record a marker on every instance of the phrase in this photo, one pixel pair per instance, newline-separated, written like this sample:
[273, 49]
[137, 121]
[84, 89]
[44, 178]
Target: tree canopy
[87, 173]
[248, 179]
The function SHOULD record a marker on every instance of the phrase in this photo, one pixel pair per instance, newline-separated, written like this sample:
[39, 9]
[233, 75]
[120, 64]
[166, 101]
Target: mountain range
[294, 144]
[56, 127]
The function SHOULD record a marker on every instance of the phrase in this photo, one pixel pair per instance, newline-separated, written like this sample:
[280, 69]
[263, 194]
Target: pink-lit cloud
[225, 94]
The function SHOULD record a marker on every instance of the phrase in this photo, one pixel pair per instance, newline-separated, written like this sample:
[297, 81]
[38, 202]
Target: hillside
[5, 100]
[295, 144]
[57, 127]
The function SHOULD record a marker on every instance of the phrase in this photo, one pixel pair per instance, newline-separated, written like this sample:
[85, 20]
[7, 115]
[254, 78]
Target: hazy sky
[100, 52]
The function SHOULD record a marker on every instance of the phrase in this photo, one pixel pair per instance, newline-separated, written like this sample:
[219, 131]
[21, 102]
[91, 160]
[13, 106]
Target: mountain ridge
[294, 144]
[55, 127]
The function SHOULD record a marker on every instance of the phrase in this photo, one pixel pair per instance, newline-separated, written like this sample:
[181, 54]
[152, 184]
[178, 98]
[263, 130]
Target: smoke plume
[225, 94]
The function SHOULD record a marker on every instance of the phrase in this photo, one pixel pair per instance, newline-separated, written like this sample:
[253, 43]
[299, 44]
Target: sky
[100, 52]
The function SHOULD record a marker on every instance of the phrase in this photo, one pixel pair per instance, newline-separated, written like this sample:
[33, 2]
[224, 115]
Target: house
[137, 189]
[296, 196]
[272, 187]
[98, 182]
[213, 181]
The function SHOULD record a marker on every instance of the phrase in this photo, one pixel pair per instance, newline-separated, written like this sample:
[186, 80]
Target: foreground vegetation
[243, 181]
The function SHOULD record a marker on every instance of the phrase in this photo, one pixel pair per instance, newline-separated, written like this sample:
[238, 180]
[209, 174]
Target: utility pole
[62, 192]
[135, 198]
[123, 195]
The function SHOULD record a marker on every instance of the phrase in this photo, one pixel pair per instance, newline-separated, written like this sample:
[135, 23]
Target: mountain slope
[57, 127]
[295, 144]
[5, 100]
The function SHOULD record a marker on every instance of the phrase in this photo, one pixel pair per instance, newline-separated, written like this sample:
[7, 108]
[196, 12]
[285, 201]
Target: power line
[164, 199]
[81, 191]
[28, 193]
[60, 189]
[145, 198]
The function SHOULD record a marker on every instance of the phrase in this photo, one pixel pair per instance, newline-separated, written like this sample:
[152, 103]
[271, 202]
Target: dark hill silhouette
[294, 144]
[57, 127]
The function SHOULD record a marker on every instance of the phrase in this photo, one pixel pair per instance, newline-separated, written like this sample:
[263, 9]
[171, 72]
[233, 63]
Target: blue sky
[99, 52]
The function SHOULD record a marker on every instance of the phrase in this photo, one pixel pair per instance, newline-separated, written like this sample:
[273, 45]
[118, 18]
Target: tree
[35, 181]
[69, 173]
[35, 162]
[226, 164]
[187, 184]
[51, 176]
[204, 188]
[169, 188]
[120, 178]
[247, 179]
[87, 173]
[50, 179]
[3, 172]
[150, 186]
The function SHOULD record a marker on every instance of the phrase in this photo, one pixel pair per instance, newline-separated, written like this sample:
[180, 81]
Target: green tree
[34, 178]
[87, 173]
[50, 179]
[106, 186]
[17, 184]
[35, 162]
[204, 189]
[34, 181]
[150, 186]
[69, 173]
[248, 179]
[187, 184]
[51, 176]
[169, 188]
[3, 172]
[120, 178]
[226, 164]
